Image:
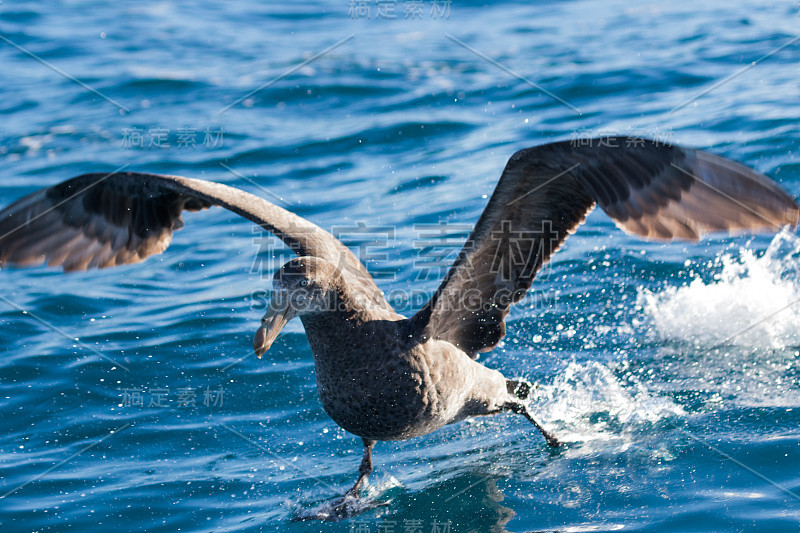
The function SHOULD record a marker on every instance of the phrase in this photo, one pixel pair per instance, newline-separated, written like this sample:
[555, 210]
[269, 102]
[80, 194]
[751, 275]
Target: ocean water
[131, 399]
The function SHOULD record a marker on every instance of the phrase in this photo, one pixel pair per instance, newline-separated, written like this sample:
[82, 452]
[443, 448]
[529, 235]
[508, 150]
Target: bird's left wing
[650, 189]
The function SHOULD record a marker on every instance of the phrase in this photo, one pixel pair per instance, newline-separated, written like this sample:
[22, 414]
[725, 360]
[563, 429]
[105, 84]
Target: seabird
[380, 375]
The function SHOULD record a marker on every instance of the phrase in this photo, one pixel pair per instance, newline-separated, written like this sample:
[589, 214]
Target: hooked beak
[276, 317]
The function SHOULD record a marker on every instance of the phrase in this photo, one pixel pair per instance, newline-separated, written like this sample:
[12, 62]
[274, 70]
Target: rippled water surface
[130, 397]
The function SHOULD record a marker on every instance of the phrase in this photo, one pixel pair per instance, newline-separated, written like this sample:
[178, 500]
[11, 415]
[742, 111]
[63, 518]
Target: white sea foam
[752, 301]
[590, 403]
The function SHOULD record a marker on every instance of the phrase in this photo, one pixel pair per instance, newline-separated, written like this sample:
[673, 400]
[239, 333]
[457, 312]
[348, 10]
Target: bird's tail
[519, 388]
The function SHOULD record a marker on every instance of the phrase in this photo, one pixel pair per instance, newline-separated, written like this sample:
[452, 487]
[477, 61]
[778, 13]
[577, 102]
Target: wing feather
[650, 189]
[104, 220]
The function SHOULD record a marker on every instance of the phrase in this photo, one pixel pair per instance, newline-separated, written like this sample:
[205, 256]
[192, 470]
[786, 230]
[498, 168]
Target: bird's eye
[303, 282]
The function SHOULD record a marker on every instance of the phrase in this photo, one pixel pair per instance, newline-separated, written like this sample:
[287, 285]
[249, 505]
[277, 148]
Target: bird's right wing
[102, 220]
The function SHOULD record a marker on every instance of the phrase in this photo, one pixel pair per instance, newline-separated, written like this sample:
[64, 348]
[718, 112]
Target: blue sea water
[131, 399]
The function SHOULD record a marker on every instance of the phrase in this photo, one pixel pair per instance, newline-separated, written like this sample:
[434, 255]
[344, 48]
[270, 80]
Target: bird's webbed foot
[348, 506]
[351, 504]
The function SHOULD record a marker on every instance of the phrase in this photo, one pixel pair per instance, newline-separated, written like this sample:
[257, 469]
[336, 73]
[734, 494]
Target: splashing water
[753, 301]
[592, 404]
[342, 508]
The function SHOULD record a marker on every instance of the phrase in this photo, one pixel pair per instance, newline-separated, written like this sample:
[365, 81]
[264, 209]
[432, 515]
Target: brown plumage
[380, 375]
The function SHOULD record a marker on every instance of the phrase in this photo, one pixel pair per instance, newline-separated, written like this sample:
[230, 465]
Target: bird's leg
[522, 409]
[351, 504]
[364, 470]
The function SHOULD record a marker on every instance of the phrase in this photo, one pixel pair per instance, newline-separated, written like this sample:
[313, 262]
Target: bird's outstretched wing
[102, 220]
[650, 189]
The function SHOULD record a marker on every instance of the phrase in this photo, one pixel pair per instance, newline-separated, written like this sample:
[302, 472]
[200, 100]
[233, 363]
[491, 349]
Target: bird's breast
[387, 396]
[397, 394]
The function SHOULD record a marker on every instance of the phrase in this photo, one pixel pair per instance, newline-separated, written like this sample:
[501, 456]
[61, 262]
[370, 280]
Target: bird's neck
[332, 335]
[347, 327]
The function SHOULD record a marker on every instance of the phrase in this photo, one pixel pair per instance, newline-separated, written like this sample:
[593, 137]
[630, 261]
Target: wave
[752, 301]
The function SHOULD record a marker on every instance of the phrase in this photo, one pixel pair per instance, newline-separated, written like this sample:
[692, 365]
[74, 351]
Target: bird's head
[303, 286]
